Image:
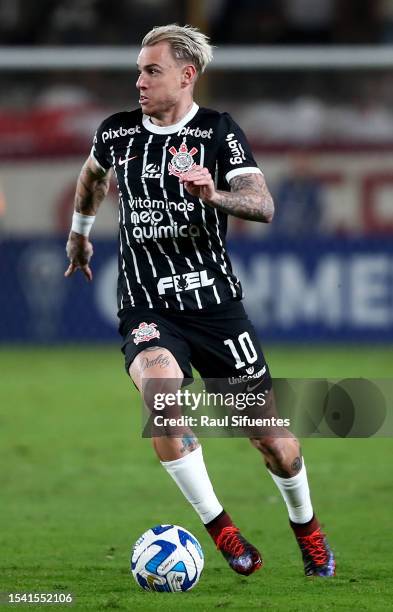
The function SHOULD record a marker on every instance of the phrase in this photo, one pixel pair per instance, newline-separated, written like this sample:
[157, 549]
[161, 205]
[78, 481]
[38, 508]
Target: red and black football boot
[317, 556]
[241, 556]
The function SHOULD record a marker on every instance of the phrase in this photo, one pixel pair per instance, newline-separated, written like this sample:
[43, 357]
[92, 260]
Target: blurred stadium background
[310, 82]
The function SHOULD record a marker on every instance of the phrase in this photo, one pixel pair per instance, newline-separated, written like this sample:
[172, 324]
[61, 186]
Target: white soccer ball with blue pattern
[167, 558]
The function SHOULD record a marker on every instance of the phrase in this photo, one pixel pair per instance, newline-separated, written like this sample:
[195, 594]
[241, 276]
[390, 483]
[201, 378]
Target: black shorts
[219, 342]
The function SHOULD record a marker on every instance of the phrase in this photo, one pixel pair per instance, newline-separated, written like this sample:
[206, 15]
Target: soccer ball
[167, 558]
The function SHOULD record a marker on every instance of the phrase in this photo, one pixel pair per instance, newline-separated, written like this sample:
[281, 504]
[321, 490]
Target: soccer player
[181, 170]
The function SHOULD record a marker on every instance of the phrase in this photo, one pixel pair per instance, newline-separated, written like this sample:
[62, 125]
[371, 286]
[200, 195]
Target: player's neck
[174, 115]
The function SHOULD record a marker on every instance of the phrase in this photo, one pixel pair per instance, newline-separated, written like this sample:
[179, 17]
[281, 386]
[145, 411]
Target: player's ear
[189, 75]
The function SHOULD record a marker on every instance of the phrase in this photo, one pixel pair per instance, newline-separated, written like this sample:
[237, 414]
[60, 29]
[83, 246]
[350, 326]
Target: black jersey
[172, 251]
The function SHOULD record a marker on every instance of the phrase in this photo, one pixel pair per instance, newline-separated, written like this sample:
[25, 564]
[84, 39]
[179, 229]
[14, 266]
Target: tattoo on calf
[161, 361]
[189, 443]
[296, 465]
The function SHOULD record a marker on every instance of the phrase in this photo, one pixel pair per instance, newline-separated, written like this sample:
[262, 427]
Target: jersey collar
[170, 129]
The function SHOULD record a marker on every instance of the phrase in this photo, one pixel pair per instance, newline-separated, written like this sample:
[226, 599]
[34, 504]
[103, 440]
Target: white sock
[191, 477]
[296, 495]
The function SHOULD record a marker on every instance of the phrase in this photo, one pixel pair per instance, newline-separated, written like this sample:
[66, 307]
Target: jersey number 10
[247, 348]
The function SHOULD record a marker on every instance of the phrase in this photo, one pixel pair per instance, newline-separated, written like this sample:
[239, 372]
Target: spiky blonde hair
[187, 43]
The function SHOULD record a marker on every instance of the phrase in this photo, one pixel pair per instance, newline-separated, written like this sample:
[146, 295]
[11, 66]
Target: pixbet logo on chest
[184, 282]
[197, 132]
[120, 132]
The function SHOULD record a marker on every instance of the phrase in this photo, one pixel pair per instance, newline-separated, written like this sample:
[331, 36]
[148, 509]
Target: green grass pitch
[79, 485]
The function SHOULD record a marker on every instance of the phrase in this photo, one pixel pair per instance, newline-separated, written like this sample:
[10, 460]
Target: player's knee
[267, 445]
[155, 392]
[279, 449]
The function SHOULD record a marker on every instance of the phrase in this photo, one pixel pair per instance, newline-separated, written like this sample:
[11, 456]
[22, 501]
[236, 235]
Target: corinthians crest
[145, 332]
[182, 160]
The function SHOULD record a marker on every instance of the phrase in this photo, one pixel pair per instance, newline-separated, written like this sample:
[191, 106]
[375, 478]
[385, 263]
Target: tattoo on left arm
[249, 198]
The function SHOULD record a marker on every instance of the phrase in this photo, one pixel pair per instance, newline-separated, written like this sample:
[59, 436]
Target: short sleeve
[234, 154]
[99, 151]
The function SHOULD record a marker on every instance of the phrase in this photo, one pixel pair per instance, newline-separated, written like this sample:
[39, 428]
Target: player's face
[162, 80]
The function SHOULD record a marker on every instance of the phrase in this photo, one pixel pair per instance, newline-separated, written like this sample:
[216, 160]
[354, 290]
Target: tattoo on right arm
[91, 189]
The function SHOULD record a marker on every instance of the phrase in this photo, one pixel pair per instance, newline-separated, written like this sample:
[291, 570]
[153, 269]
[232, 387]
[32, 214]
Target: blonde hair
[186, 42]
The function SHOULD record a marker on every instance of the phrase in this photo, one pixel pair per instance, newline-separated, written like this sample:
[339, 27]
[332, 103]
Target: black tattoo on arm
[249, 198]
[91, 188]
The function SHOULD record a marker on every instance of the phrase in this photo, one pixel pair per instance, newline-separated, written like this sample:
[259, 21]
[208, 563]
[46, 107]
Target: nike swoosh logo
[127, 159]
[250, 388]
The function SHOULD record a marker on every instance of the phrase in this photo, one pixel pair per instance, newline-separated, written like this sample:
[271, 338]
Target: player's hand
[199, 183]
[79, 251]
